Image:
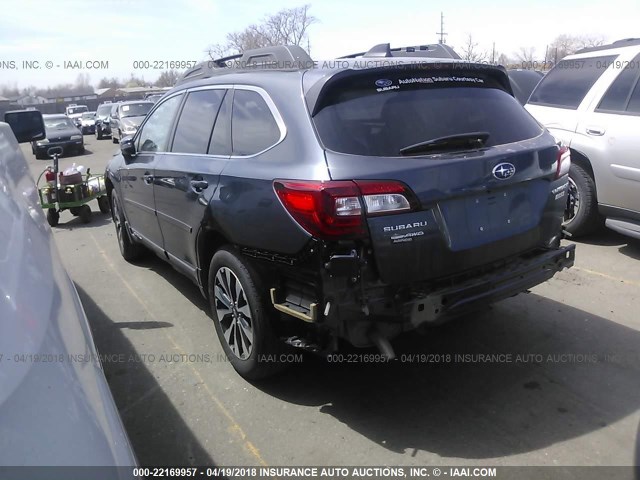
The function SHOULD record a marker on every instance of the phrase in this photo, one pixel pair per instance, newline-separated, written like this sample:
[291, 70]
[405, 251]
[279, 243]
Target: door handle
[148, 179]
[199, 185]
[170, 182]
[597, 131]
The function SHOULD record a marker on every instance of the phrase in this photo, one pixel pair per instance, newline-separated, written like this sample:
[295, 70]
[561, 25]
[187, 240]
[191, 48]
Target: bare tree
[168, 78]
[134, 81]
[503, 59]
[526, 55]
[112, 82]
[82, 80]
[564, 45]
[471, 52]
[286, 27]
[587, 41]
[63, 90]
[10, 91]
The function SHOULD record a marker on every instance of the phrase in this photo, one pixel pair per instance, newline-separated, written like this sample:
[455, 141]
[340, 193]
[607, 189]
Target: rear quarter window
[195, 124]
[253, 127]
[360, 120]
[566, 85]
[619, 93]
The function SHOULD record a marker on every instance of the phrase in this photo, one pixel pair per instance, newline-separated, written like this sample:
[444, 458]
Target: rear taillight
[336, 209]
[563, 161]
[384, 197]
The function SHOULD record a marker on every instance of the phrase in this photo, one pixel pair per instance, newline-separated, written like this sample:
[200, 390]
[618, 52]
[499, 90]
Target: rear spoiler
[316, 92]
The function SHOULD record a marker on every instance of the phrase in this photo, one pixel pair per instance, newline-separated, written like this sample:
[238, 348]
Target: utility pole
[493, 54]
[546, 55]
[441, 32]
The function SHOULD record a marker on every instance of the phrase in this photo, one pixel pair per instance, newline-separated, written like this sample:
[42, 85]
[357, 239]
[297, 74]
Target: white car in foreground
[56, 408]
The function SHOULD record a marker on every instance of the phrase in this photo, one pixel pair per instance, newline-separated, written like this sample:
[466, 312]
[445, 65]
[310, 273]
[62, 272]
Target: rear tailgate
[474, 207]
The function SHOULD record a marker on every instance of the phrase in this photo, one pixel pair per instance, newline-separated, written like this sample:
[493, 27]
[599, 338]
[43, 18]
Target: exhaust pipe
[383, 345]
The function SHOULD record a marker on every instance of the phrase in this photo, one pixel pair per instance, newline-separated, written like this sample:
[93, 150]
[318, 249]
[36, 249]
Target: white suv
[591, 102]
[75, 111]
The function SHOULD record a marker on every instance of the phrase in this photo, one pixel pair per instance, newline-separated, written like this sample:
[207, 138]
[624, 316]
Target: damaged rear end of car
[444, 196]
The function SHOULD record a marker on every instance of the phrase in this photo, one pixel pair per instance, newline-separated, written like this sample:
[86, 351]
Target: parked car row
[116, 120]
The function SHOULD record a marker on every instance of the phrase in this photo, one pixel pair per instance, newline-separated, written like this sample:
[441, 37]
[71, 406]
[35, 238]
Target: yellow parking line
[609, 277]
[235, 426]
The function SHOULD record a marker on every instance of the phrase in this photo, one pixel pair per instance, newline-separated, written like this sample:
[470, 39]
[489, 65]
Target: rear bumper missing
[351, 305]
[515, 278]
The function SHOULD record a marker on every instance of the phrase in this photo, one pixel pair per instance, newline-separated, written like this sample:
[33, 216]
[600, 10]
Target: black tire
[583, 218]
[262, 358]
[81, 150]
[53, 217]
[129, 249]
[103, 204]
[85, 213]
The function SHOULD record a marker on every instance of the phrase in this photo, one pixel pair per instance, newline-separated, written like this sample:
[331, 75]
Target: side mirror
[27, 125]
[127, 147]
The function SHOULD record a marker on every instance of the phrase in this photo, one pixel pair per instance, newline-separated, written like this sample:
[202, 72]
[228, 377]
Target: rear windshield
[75, 110]
[104, 109]
[380, 117]
[135, 109]
[58, 123]
[566, 85]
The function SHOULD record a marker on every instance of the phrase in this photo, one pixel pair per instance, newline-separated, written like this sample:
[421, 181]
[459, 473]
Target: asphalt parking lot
[562, 386]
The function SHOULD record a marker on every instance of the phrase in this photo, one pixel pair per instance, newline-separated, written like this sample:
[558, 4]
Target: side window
[193, 131]
[154, 136]
[618, 93]
[221, 138]
[253, 128]
[569, 81]
[634, 102]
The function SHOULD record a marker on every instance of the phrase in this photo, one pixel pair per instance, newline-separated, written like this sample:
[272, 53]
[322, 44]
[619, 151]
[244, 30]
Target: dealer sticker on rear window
[384, 85]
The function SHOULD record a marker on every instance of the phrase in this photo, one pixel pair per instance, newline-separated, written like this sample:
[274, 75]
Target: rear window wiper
[459, 141]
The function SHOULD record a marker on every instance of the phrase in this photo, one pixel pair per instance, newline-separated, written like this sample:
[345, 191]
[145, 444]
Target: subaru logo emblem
[505, 170]
[383, 82]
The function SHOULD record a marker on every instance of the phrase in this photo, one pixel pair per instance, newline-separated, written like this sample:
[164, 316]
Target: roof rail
[384, 50]
[279, 57]
[625, 42]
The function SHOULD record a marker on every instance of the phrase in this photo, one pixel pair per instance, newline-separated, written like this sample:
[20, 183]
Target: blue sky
[122, 32]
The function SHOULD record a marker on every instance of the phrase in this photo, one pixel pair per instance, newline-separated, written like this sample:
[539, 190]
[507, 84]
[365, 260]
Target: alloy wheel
[233, 312]
[573, 202]
[117, 220]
